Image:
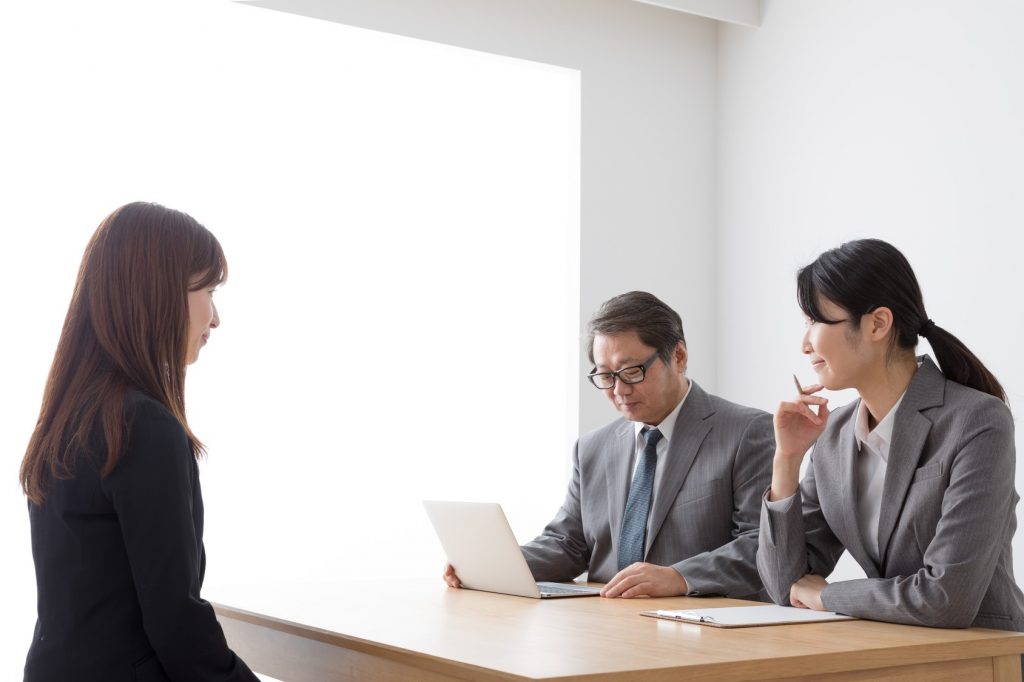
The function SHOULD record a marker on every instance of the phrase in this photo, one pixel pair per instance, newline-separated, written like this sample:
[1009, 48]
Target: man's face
[664, 385]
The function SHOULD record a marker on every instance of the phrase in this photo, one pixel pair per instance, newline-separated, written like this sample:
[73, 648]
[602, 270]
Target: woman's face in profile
[202, 317]
[836, 351]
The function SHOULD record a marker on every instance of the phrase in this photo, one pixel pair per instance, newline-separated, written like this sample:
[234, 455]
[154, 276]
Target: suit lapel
[847, 492]
[619, 474]
[909, 433]
[692, 426]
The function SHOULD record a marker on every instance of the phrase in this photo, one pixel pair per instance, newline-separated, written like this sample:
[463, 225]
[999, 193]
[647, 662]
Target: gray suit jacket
[705, 517]
[946, 521]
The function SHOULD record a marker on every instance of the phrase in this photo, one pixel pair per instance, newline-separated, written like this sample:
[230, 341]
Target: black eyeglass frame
[618, 374]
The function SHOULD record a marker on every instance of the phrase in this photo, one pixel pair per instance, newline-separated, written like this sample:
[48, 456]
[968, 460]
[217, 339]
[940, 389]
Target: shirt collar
[880, 438]
[668, 423]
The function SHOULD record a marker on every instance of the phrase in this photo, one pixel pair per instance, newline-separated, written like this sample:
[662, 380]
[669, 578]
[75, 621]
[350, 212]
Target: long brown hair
[126, 328]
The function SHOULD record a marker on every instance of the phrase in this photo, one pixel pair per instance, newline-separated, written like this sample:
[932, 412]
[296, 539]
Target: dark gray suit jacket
[946, 521]
[705, 519]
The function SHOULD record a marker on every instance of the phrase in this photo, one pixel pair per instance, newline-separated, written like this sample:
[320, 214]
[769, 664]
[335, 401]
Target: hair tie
[926, 328]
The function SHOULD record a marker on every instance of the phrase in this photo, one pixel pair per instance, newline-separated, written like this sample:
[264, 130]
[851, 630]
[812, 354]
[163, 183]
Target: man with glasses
[665, 500]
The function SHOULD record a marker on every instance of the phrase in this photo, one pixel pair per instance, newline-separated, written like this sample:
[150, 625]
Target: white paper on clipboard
[747, 616]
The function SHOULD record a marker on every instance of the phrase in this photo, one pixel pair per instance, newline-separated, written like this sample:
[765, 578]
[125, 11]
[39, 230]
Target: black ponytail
[866, 274]
[959, 364]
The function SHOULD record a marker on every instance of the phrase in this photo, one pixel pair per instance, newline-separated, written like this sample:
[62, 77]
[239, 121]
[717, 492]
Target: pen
[799, 388]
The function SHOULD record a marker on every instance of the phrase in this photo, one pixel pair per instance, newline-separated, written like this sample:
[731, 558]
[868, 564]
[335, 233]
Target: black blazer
[119, 563]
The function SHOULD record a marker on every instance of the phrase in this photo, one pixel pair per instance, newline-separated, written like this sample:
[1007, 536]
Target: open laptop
[480, 545]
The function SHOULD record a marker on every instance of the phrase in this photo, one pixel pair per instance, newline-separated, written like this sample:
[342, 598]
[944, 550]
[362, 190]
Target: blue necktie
[638, 504]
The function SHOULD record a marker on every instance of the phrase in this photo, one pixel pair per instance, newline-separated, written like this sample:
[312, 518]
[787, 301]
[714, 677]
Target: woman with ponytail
[915, 479]
[110, 471]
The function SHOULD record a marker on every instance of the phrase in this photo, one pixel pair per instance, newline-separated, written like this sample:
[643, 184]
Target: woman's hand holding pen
[797, 426]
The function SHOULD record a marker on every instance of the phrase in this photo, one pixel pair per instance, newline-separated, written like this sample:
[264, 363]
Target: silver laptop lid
[481, 546]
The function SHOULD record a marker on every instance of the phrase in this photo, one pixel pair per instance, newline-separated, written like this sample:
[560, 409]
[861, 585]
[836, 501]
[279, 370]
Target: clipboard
[747, 616]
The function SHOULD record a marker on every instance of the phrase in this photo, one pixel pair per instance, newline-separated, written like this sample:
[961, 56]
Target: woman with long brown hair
[110, 471]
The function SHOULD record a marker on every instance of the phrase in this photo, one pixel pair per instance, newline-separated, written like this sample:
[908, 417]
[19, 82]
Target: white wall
[648, 149]
[855, 118]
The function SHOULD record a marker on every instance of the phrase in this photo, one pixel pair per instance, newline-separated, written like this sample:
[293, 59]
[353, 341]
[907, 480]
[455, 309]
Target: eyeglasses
[627, 375]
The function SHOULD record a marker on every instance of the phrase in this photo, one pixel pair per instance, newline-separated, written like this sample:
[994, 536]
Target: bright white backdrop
[401, 224]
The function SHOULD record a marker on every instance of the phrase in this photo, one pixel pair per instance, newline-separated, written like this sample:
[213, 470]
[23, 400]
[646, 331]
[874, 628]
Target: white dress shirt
[872, 463]
[661, 451]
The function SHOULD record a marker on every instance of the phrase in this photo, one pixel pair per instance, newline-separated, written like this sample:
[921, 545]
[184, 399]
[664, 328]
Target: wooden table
[420, 630]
